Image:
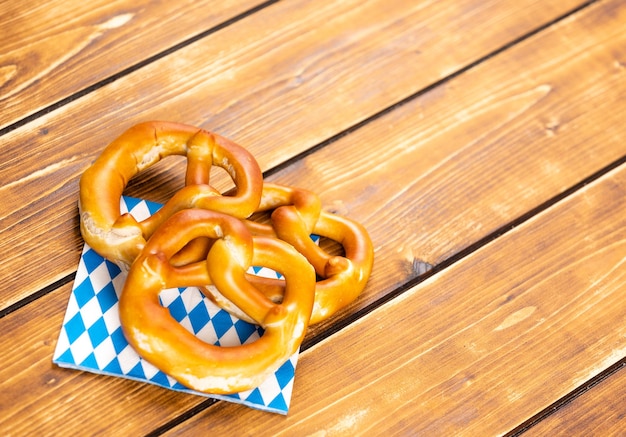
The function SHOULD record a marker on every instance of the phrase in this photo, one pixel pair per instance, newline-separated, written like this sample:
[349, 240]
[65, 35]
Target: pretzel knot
[119, 237]
[296, 213]
[203, 238]
[159, 338]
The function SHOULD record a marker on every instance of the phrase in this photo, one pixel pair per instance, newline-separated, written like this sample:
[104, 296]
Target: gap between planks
[135, 67]
[318, 136]
[341, 324]
[291, 161]
[567, 399]
[450, 261]
[352, 338]
[423, 91]
[470, 249]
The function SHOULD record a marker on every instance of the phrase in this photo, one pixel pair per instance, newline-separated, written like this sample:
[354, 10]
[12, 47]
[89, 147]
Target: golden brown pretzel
[344, 277]
[120, 237]
[297, 214]
[161, 340]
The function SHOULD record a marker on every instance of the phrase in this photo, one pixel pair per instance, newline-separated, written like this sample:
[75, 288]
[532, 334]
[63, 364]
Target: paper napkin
[91, 337]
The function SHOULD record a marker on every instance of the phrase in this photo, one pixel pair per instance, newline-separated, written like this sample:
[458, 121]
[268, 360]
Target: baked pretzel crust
[203, 238]
[120, 237]
[160, 339]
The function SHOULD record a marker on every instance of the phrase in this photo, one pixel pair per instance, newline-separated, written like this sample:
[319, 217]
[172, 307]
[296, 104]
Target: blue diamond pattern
[222, 322]
[153, 206]
[255, 397]
[92, 260]
[137, 371]
[279, 403]
[244, 330]
[66, 357]
[179, 386]
[160, 379]
[105, 341]
[107, 297]
[199, 316]
[90, 361]
[132, 203]
[74, 327]
[284, 375]
[113, 269]
[84, 292]
[177, 309]
[119, 341]
[98, 332]
[113, 367]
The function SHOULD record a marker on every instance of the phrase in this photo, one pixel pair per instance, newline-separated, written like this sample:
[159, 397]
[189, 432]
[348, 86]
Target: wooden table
[481, 143]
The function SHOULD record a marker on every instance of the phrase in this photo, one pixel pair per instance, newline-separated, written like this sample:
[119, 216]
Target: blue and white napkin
[91, 337]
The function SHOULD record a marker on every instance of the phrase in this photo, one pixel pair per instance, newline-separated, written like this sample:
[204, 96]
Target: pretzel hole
[331, 247]
[157, 182]
[221, 181]
[193, 310]
[195, 250]
[262, 217]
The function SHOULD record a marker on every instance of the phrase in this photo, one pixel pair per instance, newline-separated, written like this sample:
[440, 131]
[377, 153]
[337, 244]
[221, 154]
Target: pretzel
[297, 214]
[344, 277]
[155, 334]
[119, 237]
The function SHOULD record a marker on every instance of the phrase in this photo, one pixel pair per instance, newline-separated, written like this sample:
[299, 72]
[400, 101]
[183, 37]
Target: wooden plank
[49, 50]
[272, 91]
[84, 403]
[456, 164]
[476, 349]
[600, 411]
[441, 159]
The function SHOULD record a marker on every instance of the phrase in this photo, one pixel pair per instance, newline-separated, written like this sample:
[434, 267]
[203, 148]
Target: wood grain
[447, 169]
[272, 91]
[39, 396]
[50, 50]
[600, 411]
[435, 158]
[476, 349]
